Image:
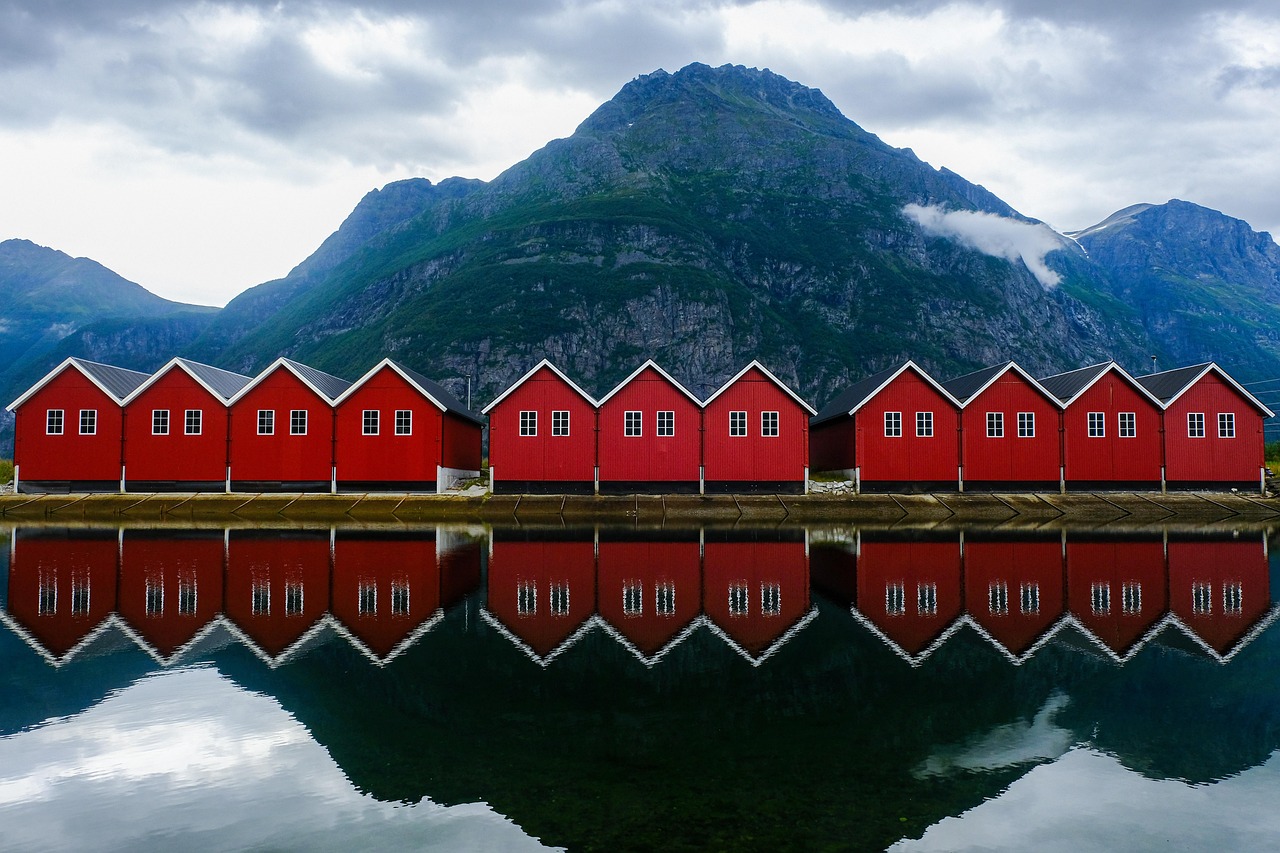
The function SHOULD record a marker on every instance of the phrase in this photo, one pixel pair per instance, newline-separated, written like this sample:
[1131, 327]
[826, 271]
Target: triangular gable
[858, 394]
[116, 382]
[547, 364]
[222, 384]
[667, 376]
[319, 382]
[435, 393]
[1069, 386]
[1169, 385]
[775, 380]
[970, 386]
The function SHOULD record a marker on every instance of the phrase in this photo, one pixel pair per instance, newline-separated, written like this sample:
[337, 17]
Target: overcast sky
[200, 148]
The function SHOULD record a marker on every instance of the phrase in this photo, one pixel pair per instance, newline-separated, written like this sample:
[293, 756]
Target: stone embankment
[1017, 510]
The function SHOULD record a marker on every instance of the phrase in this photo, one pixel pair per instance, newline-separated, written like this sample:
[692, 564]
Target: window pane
[769, 424]
[53, 422]
[560, 423]
[404, 422]
[298, 422]
[266, 422]
[369, 423]
[666, 423]
[924, 424]
[194, 421]
[528, 423]
[737, 424]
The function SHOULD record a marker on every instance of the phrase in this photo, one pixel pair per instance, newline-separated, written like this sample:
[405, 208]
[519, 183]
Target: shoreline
[999, 508]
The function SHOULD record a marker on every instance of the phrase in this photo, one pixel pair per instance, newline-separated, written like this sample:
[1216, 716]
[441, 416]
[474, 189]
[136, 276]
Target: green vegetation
[6, 471]
[1273, 455]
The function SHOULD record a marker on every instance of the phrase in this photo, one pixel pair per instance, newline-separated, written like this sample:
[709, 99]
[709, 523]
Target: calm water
[468, 689]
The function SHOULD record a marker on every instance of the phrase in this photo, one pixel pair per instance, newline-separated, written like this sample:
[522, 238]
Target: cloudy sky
[199, 148]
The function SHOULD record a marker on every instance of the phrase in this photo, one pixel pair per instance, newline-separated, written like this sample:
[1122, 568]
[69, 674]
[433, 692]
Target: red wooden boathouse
[397, 428]
[69, 426]
[541, 593]
[1009, 428]
[1111, 427]
[756, 593]
[897, 429]
[755, 435]
[650, 592]
[170, 587]
[176, 428]
[650, 435]
[1117, 589]
[1212, 428]
[282, 432]
[277, 588]
[1015, 590]
[1219, 589]
[910, 591]
[542, 435]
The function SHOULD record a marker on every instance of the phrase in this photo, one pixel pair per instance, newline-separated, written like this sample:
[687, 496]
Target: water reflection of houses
[277, 592]
[649, 591]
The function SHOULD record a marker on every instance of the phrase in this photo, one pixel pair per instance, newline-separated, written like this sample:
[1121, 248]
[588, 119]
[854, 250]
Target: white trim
[287, 364]
[387, 362]
[775, 380]
[667, 376]
[57, 371]
[547, 364]
[170, 365]
[937, 386]
[1111, 367]
[1013, 365]
[1212, 366]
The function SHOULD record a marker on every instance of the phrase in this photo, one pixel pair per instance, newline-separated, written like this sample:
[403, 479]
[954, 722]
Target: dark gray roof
[1064, 386]
[964, 387]
[119, 382]
[223, 382]
[438, 391]
[1166, 385]
[330, 386]
[852, 397]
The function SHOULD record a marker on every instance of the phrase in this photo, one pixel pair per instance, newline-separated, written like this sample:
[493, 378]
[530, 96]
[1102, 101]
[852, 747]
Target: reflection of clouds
[1087, 800]
[187, 759]
[1005, 746]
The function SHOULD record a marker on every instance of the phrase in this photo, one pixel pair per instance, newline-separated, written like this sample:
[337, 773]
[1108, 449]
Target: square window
[79, 595]
[367, 598]
[998, 598]
[260, 598]
[528, 423]
[769, 424]
[1030, 598]
[1100, 598]
[1226, 424]
[194, 421]
[266, 422]
[559, 599]
[924, 424]
[1097, 425]
[995, 424]
[1026, 424]
[737, 424]
[1131, 597]
[895, 599]
[400, 598]
[927, 599]
[664, 595]
[47, 597]
[1232, 598]
[633, 599]
[53, 422]
[1195, 425]
[666, 423]
[560, 423]
[527, 598]
[369, 422]
[293, 598]
[633, 424]
[1202, 598]
[1128, 424]
[159, 421]
[739, 599]
[770, 599]
[187, 596]
[893, 424]
[404, 422]
[89, 421]
[155, 597]
[298, 422]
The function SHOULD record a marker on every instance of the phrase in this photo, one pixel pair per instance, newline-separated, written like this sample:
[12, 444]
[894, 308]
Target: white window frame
[633, 598]
[924, 424]
[560, 423]
[367, 598]
[632, 424]
[55, 421]
[895, 599]
[89, 424]
[1127, 424]
[664, 598]
[995, 424]
[294, 598]
[738, 423]
[739, 599]
[159, 421]
[528, 423]
[370, 421]
[769, 424]
[193, 422]
[1233, 597]
[893, 424]
[1100, 598]
[1026, 424]
[404, 421]
[927, 599]
[558, 598]
[1195, 424]
[998, 598]
[1226, 425]
[1029, 597]
[297, 422]
[400, 601]
[666, 427]
[770, 599]
[1097, 425]
[266, 421]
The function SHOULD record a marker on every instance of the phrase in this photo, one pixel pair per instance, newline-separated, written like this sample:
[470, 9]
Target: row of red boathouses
[89, 426]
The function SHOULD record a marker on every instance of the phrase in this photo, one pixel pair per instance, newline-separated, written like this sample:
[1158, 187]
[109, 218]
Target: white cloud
[997, 236]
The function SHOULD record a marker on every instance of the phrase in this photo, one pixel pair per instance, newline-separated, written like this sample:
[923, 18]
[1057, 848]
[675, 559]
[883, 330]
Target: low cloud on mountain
[997, 236]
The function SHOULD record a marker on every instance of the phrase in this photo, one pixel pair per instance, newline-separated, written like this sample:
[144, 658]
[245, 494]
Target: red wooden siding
[170, 586]
[277, 587]
[384, 587]
[1116, 589]
[387, 457]
[911, 591]
[460, 445]
[543, 457]
[650, 457]
[69, 456]
[1219, 589]
[755, 457]
[996, 574]
[177, 456]
[1011, 458]
[1213, 459]
[1111, 458]
[650, 591]
[542, 591]
[755, 591]
[909, 458]
[60, 589]
[281, 457]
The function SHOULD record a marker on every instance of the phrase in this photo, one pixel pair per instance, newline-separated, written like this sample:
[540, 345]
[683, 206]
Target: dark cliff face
[1207, 286]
